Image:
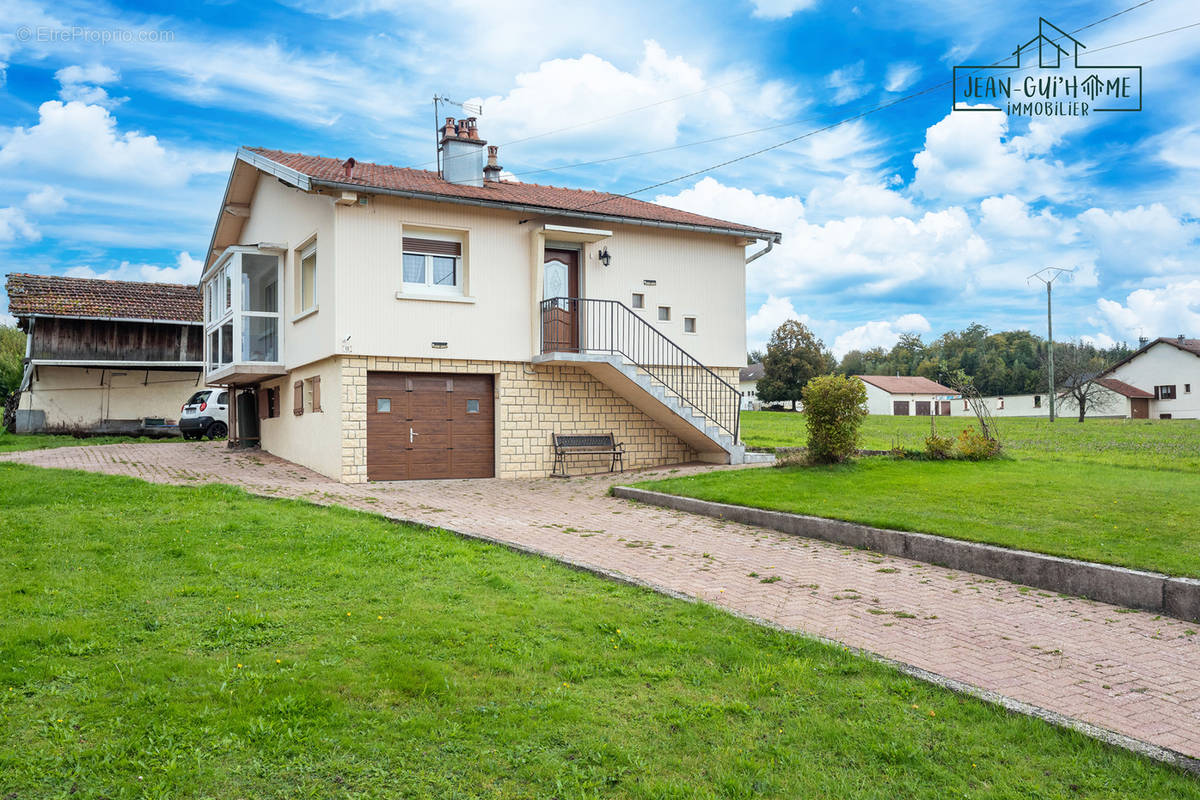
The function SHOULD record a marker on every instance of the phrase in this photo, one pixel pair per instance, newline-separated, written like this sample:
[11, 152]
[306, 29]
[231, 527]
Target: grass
[198, 642]
[1157, 444]
[11, 442]
[1114, 491]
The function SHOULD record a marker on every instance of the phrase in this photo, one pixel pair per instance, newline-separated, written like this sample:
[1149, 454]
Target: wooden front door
[429, 425]
[560, 319]
[1139, 408]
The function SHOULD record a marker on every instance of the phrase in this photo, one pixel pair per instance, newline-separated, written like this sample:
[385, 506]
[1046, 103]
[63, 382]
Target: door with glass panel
[560, 318]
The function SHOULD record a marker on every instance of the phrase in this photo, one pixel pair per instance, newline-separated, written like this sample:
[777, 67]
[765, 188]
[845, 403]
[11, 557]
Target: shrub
[974, 446]
[835, 406]
[939, 447]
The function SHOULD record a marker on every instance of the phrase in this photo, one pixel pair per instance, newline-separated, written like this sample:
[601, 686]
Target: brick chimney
[491, 172]
[462, 152]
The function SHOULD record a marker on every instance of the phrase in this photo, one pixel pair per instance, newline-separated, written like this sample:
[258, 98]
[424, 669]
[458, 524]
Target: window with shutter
[433, 265]
[298, 398]
[274, 393]
[316, 393]
[264, 404]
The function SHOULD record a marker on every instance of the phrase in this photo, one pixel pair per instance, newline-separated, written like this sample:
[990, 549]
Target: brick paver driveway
[1130, 672]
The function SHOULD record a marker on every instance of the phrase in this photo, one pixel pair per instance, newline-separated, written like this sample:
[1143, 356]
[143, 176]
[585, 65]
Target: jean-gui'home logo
[1047, 80]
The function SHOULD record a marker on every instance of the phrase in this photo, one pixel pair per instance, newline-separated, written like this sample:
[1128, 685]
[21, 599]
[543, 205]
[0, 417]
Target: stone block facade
[533, 401]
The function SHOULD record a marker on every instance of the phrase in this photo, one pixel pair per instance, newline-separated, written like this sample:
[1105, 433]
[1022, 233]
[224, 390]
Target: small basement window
[664, 313]
[639, 300]
[1187, 388]
[1037, 401]
[689, 324]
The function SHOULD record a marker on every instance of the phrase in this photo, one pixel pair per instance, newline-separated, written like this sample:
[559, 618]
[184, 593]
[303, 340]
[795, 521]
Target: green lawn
[1158, 444]
[1115, 491]
[10, 442]
[198, 642]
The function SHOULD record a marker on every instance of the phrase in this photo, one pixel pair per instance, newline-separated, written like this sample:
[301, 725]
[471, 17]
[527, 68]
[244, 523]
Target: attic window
[433, 265]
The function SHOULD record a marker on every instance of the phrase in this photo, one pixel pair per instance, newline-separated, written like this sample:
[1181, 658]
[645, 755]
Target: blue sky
[118, 125]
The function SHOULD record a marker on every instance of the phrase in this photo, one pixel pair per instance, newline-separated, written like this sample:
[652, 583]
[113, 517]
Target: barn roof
[905, 384]
[58, 296]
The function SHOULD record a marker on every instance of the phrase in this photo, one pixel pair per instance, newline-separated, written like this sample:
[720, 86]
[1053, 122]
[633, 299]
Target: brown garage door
[900, 408]
[426, 425]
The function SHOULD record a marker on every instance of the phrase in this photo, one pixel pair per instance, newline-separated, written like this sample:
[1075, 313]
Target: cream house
[906, 395]
[380, 323]
[1161, 380]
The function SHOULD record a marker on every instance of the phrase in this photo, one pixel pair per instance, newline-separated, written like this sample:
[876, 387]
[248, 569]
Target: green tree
[12, 357]
[794, 357]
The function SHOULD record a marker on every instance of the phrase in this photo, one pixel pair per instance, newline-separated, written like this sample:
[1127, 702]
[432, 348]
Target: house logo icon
[1045, 79]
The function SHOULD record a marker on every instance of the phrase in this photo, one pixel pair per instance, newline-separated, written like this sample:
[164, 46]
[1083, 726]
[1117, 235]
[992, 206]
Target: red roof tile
[1121, 387]
[551, 198]
[906, 384]
[54, 295]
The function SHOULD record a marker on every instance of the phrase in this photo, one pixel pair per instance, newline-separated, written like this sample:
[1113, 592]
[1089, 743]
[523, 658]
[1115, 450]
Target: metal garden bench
[585, 444]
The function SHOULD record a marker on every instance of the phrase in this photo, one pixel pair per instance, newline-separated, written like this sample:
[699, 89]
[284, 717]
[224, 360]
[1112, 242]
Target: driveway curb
[1149, 591]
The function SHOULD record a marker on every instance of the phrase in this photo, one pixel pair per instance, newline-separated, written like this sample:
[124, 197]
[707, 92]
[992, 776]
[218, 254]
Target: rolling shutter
[298, 398]
[435, 247]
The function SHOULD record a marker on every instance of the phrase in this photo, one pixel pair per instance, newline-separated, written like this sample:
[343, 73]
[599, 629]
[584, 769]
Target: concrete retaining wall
[1175, 597]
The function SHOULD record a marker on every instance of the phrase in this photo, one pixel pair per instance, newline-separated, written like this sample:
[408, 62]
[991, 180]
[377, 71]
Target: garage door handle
[411, 434]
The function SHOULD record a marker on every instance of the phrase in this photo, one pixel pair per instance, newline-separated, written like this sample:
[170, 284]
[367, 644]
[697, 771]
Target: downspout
[763, 252]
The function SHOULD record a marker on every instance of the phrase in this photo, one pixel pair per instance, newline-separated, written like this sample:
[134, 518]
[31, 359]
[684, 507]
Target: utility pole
[1048, 276]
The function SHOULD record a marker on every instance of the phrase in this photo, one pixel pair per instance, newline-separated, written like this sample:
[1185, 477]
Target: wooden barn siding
[82, 339]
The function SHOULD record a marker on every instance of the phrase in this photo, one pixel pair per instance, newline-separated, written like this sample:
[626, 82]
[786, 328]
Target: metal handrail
[586, 325]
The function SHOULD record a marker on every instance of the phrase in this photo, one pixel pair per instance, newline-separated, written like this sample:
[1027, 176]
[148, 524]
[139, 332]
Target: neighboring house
[105, 356]
[1161, 380]
[1011, 405]
[381, 323]
[903, 396]
[748, 378]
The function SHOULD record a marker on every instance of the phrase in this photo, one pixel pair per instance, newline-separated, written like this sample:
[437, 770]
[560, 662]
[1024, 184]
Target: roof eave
[100, 318]
[544, 210]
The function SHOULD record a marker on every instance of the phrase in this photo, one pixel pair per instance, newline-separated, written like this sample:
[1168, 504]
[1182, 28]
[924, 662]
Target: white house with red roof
[1160, 380]
[905, 395]
[383, 323]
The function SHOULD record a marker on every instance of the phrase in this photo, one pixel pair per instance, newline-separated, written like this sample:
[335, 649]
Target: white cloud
[879, 333]
[770, 315]
[1180, 147]
[851, 196]
[85, 84]
[1167, 311]
[14, 225]
[8, 320]
[970, 155]
[847, 83]
[780, 9]
[901, 75]
[47, 200]
[186, 270]
[82, 140]
[1140, 241]
[1100, 339]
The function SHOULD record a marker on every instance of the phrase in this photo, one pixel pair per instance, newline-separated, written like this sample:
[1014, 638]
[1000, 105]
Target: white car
[206, 413]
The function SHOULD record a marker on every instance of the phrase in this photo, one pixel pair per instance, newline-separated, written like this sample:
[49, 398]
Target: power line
[843, 121]
[870, 109]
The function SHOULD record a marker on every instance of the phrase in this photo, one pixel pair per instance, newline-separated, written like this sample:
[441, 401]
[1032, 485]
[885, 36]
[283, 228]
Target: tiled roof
[1121, 387]
[750, 373]
[53, 295]
[1190, 345]
[906, 384]
[551, 198]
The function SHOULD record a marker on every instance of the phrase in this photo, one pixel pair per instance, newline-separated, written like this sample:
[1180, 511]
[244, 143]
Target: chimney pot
[348, 167]
[491, 172]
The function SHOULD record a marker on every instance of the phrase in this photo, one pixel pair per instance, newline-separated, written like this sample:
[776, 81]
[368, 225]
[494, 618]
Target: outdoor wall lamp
[604, 257]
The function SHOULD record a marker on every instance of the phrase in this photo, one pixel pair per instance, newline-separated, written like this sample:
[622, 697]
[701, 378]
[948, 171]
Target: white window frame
[634, 301]
[661, 309]
[309, 249]
[225, 279]
[695, 324]
[428, 287]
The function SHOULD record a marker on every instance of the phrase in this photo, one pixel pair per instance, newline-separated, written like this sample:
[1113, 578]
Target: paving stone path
[1128, 671]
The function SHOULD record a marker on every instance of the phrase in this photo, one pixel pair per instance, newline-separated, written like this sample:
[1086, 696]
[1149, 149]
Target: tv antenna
[438, 101]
